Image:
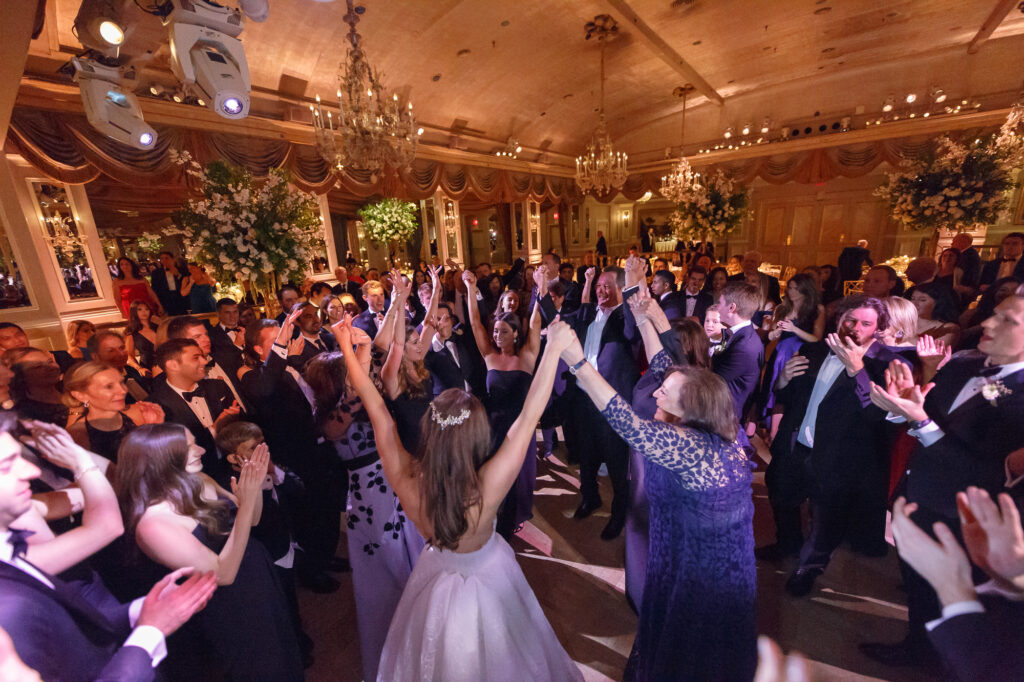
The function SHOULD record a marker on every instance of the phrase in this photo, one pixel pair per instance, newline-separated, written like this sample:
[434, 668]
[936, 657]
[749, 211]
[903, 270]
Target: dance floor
[579, 581]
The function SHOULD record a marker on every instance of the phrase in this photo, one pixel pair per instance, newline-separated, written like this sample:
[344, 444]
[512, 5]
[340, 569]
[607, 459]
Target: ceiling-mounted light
[728, 133]
[99, 26]
[911, 98]
[419, 131]
[745, 130]
[766, 125]
[111, 107]
[937, 94]
[889, 103]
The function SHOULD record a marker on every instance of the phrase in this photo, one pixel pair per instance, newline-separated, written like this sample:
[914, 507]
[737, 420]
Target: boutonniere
[992, 391]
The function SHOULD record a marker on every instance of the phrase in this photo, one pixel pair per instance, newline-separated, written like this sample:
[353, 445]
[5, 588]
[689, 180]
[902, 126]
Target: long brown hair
[706, 403]
[449, 457]
[694, 342]
[151, 469]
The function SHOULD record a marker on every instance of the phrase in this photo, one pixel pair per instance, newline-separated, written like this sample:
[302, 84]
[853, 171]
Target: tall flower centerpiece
[258, 234]
[956, 185]
[389, 222]
[707, 206]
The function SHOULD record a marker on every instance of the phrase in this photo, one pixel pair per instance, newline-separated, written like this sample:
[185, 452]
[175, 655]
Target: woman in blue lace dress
[697, 617]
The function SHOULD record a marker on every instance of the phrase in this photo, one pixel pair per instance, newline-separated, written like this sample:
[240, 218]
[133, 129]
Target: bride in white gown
[467, 612]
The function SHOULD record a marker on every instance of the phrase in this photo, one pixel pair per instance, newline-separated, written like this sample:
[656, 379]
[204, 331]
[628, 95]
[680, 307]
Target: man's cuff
[280, 351]
[150, 640]
[927, 435]
[626, 293]
[895, 418]
[956, 609]
[134, 610]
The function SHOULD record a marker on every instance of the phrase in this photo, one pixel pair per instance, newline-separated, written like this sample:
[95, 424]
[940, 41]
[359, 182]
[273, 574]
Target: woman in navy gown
[697, 618]
[510, 355]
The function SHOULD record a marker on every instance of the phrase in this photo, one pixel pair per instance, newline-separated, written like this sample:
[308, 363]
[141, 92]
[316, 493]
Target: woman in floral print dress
[382, 544]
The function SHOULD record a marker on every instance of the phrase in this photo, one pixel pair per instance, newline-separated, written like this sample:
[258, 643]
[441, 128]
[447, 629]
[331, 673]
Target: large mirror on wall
[13, 293]
[65, 240]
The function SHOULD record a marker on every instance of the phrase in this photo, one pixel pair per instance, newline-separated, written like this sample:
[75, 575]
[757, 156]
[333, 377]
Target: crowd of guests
[206, 463]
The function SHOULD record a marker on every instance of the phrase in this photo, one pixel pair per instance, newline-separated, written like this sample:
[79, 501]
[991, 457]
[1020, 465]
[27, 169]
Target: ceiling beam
[625, 14]
[999, 13]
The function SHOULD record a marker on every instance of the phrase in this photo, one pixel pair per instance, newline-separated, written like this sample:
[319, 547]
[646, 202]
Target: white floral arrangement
[149, 243]
[956, 186]
[711, 207]
[389, 221]
[263, 233]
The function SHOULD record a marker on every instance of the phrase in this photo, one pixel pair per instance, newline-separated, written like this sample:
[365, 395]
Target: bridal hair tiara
[450, 420]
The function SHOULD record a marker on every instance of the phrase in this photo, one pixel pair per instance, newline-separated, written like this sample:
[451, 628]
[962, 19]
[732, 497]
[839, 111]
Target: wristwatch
[575, 368]
[918, 425]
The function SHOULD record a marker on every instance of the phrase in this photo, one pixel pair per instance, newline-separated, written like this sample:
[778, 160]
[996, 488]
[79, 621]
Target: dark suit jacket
[367, 321]
[350, 287]
[172, 301]
[983, 646]
[704, 301]
[772, 285]
[617, 357]
[990, 272]
[73, 632]
[739, 363]
[218, 398]
[601, 247]
[978, 437]
[310, 351]
[283, 413]
[851, 436]
[470, 369]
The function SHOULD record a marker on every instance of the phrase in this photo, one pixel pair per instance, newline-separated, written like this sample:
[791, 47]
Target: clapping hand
[993, 536]
[848, 352]
[249, 483]
[57, 446]
[943, 564]
[901, 396]
[144, 412]
[785, 325]
[934, 353]
[774, 666]
[168, 605]
[296, 346]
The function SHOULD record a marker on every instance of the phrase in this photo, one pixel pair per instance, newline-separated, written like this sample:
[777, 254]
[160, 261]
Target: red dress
[135, 292]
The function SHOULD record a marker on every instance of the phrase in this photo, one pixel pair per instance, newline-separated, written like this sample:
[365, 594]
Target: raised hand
[901, 396]
[785, 325]
[451, 263]
[296, 346]
[934, 353]
[168, 605]
[640, 304]
[993, 536]
[590, 274]
[794, 367]
[943, 564]
[636, 271]
[541, 279]
[899, 379]
[285, 335]
[249, 483]
[470, 279]
[145, 413]
[342, 330]
[57, 446]
[848, 352]
[560, 336]
[435, 276]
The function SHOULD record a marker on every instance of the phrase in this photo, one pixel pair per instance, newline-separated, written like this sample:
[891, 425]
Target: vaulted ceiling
[485, 70]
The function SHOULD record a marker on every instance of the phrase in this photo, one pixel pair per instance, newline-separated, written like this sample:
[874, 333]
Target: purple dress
[506, 393]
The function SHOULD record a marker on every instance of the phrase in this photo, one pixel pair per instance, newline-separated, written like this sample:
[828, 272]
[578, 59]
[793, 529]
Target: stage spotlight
[110, 107]
[207, 55]
[99, 26]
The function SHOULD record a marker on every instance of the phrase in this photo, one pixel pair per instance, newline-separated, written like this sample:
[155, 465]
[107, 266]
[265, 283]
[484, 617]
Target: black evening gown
[107, 443]
[506, 393]
[145, 349]
[408, 409]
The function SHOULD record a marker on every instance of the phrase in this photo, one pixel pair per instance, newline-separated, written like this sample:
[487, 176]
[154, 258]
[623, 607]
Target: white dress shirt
[691, 301]
[198, 405]
[829, 371]
[592, 345]
[146, 637]
[303, 386]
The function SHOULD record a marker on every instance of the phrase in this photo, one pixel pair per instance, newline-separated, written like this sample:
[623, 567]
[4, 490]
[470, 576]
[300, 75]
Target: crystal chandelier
[62, 234]
[683, 179]
[371, 129]
[601, 168]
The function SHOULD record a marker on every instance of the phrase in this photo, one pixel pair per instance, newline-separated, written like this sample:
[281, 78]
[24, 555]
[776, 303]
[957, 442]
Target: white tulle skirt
[472, 617]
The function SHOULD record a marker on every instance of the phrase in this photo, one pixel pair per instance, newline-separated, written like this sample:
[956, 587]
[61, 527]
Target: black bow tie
[18, 539]
[198, 393]
[234, 329]
[727, 334]
[990, 371]
[689, 295]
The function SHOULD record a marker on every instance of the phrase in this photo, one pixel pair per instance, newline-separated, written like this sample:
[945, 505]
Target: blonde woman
[78, 334]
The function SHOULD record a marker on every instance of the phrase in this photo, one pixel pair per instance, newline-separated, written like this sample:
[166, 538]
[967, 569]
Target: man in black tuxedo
[968, 261]
[222, 364]
[453, 359]
[227, 337]
[191, 399]
[1010, 262]
[601, 249]
[581, 271]
[315, 339]
[835, 442]
[287, 296]
[166, 284]
[663, 290]
[283, 406]
[609, 337]
[376, 307]
[572, 290]
[769, 285]
[695, 300]
[347, 286]
[851, 261]
[967, 428]
[740, 361]
[78, 630]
